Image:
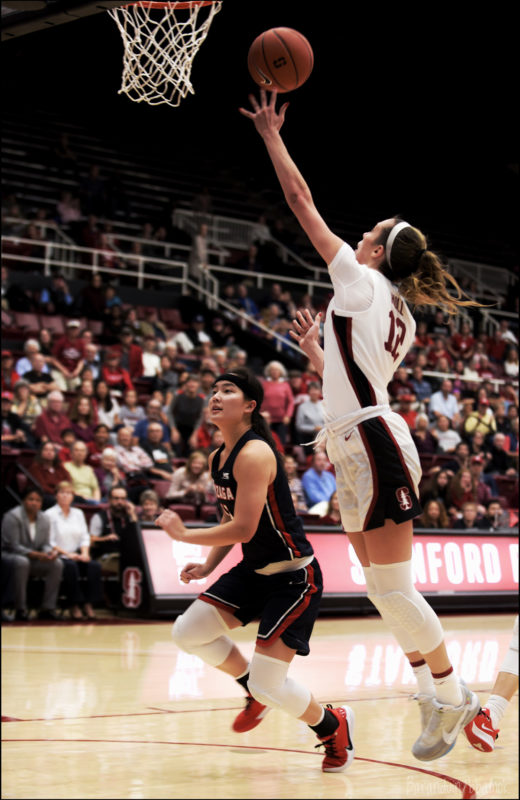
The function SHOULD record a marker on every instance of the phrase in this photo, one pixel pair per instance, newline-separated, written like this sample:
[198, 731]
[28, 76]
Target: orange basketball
[281, 59]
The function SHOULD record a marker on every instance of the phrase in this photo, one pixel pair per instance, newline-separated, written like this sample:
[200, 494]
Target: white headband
[390, 241]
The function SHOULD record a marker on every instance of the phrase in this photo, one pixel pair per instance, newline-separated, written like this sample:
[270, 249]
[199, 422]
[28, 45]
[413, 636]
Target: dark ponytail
[260, 426]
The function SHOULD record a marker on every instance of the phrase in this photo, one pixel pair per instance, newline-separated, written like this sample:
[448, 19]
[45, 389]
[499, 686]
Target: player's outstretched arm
[268, 121]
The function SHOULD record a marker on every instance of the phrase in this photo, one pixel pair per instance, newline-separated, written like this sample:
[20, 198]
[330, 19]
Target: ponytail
[260, 427]
[418, 272]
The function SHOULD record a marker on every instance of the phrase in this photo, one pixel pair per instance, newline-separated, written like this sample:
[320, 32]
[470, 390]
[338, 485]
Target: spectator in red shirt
[486, 369]
[278, 398]
[462, 344]
[68, 437]
[401, 385]
[83, 417]
[422, 337]
[406, 411]
[131, 355]
[201, 437]
[9, 374]
[115, 376]
[438, 350]
[499, 343]
[68, 354]
[48, 471]
[53, 420]
[99, 442]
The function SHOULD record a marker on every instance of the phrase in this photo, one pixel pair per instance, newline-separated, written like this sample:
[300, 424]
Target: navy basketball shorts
[377, 473]
[287, 603]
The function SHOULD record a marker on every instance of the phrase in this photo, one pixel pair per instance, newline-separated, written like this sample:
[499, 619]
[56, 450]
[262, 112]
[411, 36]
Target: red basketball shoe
[339, 750]
[251, 716]
[480, 733]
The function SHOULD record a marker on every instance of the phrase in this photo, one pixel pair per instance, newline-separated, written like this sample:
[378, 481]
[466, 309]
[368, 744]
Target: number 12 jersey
[368, 331]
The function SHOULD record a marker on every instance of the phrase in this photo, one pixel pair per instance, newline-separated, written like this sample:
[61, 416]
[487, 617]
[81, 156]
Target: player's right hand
[192, 572]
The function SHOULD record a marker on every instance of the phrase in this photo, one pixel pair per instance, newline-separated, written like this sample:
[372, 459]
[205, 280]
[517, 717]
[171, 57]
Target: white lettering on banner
[491, 563]
[473, 558]
[418, 564]
[434, 562]
[453, 561]
[356, 571]
[513, 555]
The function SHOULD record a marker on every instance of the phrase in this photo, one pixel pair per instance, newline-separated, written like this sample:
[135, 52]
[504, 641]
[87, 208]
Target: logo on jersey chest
[403, 498]
[224, 493]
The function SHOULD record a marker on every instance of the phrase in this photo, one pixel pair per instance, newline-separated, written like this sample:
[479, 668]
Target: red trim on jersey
[275, 510]
[399, 453]
[348, 357]
[295, 613]
[375, 478]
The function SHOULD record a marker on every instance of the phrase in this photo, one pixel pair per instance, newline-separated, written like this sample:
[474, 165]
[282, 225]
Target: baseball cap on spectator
[73, 323]
[7, 395]
[126, 331]
[483, 401]
[477, 460]
[7, 354]
[113, 353]
[405, 398]
[199, 318]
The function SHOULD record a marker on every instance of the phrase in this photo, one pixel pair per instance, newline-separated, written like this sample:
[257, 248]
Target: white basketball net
[159, 47]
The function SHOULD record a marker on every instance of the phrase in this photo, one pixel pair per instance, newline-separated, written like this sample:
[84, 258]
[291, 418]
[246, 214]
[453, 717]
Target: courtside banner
[447, 563]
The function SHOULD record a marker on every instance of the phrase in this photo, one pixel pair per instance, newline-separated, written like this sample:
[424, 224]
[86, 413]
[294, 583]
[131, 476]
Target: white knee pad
[199, 631]
[269, 684]
[510, 662]
[399, 599]
[404, 640]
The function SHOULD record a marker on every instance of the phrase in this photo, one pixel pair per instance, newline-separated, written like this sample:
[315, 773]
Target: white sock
[447, 690]
[424, 679]
[497, 707]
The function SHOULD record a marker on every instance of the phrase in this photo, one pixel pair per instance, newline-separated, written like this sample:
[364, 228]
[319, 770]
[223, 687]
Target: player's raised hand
[264, 115]
[306, 329]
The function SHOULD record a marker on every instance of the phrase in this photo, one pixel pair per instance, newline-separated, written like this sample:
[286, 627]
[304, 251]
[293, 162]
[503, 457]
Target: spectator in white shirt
[70, 537]
[444, 402]
[24, 363]
[447, 438]
[309, 417]
[150, 358]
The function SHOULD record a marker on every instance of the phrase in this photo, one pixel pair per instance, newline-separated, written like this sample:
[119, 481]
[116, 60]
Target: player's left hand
[264, 115]
[173, 525]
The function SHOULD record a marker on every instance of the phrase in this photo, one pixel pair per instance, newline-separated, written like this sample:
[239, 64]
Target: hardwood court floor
[117, 711]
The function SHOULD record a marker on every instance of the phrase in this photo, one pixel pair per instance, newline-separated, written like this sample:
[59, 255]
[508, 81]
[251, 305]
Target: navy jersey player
[278, 579]
[367, 332]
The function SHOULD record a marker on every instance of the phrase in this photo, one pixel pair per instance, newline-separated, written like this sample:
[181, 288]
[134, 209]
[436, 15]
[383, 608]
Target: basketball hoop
[160, 42]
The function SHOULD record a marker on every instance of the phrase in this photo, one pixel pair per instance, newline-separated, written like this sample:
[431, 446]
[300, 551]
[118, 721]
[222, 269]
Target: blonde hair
[419, 273]
[65, 485]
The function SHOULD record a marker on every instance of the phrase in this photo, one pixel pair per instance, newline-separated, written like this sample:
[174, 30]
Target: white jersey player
[368, 330]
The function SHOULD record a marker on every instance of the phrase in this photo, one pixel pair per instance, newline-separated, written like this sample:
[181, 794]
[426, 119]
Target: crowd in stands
[115, 422]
